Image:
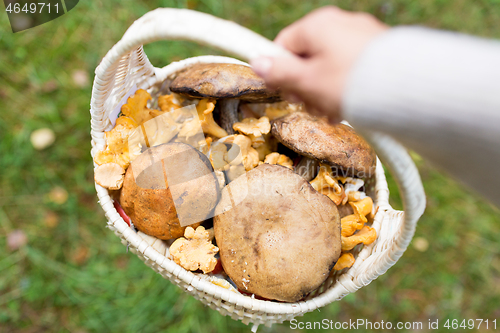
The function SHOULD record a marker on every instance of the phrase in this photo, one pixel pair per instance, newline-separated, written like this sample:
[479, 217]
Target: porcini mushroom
[229, 83]
[337, 145]
[168, 186]
[278, 237]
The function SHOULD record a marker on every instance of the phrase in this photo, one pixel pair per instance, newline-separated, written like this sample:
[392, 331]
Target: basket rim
[126, 62]
[345, 281]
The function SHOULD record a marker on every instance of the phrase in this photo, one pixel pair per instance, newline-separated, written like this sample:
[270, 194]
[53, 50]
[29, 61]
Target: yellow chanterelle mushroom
[254, 128]
[195, 250]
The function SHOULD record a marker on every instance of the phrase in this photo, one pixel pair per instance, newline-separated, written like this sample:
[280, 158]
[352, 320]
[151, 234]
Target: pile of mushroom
[285, 189]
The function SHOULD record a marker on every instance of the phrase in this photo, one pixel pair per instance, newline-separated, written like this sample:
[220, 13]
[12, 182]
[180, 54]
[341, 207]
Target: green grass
[77, 277]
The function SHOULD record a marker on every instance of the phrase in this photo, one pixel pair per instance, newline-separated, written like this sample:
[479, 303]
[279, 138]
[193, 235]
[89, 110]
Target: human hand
[325, 43]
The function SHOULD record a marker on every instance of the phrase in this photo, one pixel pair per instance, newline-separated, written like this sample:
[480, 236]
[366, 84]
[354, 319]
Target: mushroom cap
[155, 203]
[337, 145]
[222, 81]
[278, 237]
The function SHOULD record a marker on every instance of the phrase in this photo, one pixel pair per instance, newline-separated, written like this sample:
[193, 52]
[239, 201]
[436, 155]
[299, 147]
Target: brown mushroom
[230, 83]
[278, 237]
[337, 145]
[167, 188]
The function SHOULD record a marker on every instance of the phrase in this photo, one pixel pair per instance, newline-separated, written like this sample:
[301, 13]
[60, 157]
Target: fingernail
[261, 66]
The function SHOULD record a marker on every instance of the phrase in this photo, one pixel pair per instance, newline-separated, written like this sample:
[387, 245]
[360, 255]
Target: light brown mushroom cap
[281, 238]
[222, 81]
[336, 145]
[154, 202]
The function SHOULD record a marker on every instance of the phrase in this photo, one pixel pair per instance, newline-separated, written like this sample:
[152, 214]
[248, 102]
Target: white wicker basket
[126, 66]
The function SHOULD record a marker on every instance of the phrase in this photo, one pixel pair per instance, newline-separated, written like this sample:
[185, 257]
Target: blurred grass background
[73, 275]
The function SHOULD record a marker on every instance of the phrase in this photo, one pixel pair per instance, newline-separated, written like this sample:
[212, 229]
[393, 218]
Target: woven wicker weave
[126, 66]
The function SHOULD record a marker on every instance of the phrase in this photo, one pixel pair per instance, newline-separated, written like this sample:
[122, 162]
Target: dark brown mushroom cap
[222, 81]
[336, 145]
[278, 237]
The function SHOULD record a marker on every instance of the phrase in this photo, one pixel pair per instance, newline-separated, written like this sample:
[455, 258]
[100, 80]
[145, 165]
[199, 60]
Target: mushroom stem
[307, 168]
[229, 113]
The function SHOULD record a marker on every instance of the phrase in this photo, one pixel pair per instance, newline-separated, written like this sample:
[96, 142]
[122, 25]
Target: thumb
[280, 72]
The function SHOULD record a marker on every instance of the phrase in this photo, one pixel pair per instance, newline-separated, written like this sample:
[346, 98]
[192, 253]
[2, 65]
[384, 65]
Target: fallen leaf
[80, 255]
[80, 78]
[16, 239]
[122, 262]
[20, 21]
[420, 244]
[58, 195]
[42, 138]
[49, 86]
[51, 219]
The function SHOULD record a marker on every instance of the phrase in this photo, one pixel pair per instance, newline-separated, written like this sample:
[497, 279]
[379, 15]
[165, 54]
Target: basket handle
[184, 24]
